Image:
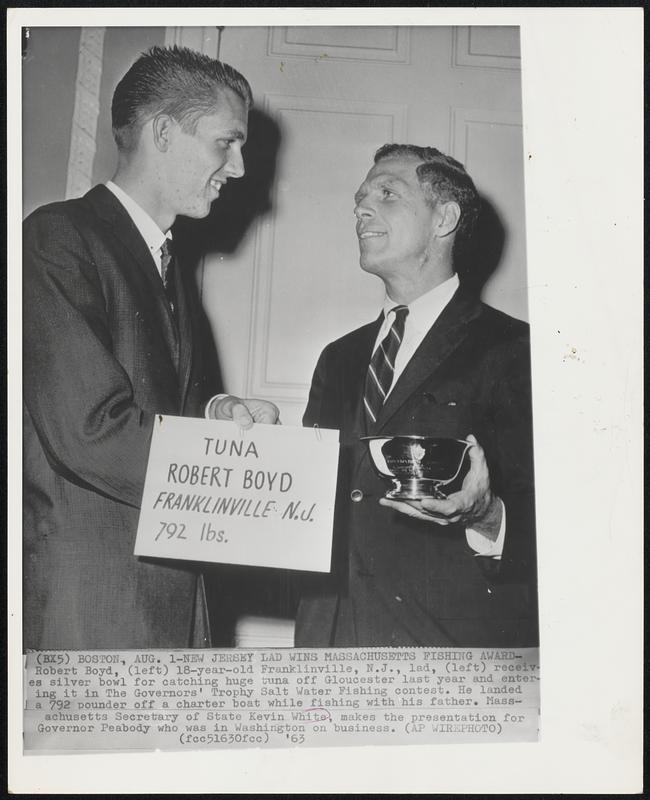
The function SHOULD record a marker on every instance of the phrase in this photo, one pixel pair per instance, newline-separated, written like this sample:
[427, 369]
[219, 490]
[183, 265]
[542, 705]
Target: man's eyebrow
[385, 178]
[233, 134]
[390, 179]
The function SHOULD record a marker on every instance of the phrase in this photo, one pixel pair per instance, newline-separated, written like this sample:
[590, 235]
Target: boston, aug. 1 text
[189, 699]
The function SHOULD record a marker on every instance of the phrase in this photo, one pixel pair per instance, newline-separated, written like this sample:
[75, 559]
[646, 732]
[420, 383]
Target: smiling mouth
[216, 184]
[370, 234]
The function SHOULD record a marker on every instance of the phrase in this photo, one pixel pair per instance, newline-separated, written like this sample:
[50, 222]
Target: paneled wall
[280, 276]
[334, 96]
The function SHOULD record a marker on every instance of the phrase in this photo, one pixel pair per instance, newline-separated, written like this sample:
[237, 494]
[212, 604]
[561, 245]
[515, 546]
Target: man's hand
[474, 506]
[245, 412]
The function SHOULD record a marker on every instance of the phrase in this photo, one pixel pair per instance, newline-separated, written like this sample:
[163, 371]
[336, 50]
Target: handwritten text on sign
[262, 497]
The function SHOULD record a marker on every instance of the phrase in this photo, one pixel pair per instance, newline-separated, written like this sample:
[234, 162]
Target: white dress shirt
[147, 228]
[423, 312]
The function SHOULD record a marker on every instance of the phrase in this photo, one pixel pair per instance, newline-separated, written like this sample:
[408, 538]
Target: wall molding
[399, 53]
[258, 382]
[463, 118]
[204, 39]
[465, 53]
[86, 112]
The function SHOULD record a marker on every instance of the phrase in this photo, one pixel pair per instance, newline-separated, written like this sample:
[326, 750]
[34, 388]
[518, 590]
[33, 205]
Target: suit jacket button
[356, 495]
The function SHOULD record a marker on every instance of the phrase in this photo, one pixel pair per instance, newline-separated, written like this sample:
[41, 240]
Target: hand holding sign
[263, 497]
[244, 412]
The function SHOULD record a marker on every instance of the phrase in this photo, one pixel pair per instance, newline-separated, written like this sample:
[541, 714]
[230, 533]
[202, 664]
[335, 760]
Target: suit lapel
[445, 336]
[146, 276]
[358, 358]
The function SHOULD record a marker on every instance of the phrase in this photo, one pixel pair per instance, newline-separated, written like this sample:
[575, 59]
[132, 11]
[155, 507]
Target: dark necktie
[382, 366]
[167, 263]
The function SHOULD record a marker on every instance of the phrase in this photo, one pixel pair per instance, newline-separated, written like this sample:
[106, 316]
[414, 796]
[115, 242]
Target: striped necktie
[167, 263]
[382, 366]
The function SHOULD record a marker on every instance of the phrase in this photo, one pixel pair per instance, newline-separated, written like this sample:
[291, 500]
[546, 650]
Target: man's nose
[362, 210]
[235, 165]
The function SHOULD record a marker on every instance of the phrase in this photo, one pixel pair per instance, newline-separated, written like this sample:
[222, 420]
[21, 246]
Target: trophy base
[415, 489]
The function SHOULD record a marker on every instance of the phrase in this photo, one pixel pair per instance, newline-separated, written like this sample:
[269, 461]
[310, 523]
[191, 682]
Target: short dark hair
[175, 81]
[441, 178]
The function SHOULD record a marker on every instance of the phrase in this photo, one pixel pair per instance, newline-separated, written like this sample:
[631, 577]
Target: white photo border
[583, 134]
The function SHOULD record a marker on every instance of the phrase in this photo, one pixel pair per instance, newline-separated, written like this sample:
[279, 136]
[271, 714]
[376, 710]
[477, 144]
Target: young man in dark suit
[453, 572]
[112, 338]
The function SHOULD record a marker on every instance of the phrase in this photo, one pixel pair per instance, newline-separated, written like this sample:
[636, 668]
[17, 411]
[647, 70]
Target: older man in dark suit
[112, 338]
[452, 572]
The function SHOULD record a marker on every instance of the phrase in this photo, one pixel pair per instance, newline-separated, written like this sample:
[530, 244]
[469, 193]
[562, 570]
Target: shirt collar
[147, 228]
[428, 306]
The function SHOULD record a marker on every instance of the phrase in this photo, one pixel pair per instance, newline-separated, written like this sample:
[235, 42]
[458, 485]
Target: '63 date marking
[176, 530]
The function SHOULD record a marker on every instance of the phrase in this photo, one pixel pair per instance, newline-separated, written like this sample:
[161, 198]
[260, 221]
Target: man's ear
[161, 126]
[448, 218]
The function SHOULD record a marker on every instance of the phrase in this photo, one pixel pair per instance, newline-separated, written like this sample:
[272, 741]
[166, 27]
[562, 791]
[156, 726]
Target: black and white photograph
[385, 162]
[286, 467]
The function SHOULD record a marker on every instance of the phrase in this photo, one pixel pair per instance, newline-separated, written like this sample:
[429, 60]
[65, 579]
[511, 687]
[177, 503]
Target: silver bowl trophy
[419, 466]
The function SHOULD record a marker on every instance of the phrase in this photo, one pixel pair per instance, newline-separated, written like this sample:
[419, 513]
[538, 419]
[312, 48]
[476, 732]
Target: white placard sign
[262, 497]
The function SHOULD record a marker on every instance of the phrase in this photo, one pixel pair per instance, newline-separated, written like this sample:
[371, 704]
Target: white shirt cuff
[210, 403]
[483, 546]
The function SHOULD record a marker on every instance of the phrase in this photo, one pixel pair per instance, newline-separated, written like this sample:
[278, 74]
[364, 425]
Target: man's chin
[197, 213]
[370, 265]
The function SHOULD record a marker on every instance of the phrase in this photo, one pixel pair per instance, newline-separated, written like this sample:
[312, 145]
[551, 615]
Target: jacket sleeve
[77, 393]
[509, 450]
[315, 405]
